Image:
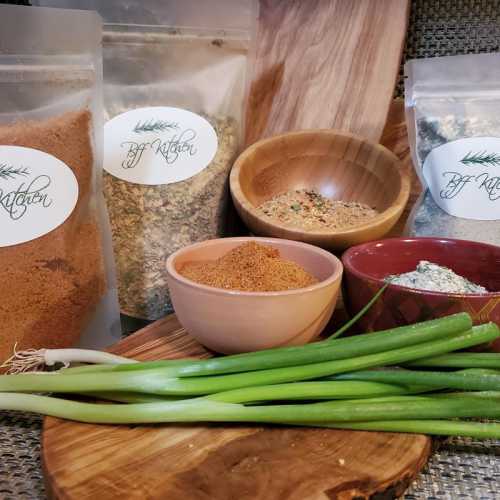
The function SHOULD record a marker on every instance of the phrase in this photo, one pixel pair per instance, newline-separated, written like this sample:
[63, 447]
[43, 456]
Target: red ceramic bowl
[365, 267]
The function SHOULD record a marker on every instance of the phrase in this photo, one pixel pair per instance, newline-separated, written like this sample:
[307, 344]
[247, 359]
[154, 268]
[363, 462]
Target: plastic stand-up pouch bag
[453, 116]
[58, 287]
[175, 78]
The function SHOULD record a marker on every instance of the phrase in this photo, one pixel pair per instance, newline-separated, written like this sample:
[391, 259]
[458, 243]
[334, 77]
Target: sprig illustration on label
[481, 158]
[10, 172]
[153, 125]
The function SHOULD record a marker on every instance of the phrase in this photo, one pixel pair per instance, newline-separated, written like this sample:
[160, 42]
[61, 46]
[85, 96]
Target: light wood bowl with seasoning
[338, 165]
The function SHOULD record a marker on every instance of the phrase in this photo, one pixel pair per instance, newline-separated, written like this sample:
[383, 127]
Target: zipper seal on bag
[136, 33]
[24, 69]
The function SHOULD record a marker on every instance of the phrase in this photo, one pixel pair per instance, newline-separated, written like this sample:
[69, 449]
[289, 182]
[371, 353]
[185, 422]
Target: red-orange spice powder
[51, 285]
[250, 267]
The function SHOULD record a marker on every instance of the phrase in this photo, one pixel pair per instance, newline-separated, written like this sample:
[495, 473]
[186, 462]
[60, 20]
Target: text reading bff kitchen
[16, 202]
[457, 181]
[170, 149]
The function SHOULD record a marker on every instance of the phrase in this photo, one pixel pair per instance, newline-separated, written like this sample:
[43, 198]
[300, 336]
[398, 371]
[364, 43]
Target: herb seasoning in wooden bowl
[362, 186]
[311, 211]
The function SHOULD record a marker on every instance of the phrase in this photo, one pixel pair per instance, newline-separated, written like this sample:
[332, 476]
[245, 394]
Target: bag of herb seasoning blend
[174, 88]
[453, 117]
[56, 274]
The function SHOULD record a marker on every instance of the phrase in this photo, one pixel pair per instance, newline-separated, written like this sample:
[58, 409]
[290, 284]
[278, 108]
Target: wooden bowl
[339, 165]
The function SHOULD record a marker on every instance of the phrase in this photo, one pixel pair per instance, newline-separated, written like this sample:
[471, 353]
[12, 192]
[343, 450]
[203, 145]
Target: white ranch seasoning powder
[435, 278]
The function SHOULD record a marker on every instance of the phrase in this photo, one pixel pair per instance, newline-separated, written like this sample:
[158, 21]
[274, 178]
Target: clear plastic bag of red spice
[58, 286]
[175, 79]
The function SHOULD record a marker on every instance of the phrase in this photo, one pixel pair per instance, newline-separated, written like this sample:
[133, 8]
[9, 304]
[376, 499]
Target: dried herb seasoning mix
[308, 210]
[151, 222]
[453, 113]
[174, 104]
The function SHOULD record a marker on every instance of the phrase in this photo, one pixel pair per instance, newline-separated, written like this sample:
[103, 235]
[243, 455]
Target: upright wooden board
[325, 64]
[395, 138]
[220, 462]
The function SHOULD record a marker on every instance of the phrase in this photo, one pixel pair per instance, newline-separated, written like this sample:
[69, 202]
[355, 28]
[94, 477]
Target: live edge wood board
[220, 462]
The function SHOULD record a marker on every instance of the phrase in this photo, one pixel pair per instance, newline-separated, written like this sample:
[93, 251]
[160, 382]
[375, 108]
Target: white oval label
[158, 145]
[38, 192]
[463, 177]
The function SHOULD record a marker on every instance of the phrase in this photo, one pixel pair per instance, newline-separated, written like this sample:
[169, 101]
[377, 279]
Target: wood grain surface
[395, 138]
[85, 461]
[331, 64]
[337, 164]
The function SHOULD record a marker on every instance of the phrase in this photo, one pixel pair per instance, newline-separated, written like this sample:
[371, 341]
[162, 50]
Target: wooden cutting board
[325, 64]
[220, 462]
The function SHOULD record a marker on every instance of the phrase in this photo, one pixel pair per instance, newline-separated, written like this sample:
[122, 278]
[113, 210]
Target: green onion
[461, 360]
[480, 370]
[346, 375]
[278, 392]
[203, 410]
[129, 397]
[312, 353]
[359, 315]
[161, 381]
[478, 394]
[308, 391]
[453, 380]
[476, 430]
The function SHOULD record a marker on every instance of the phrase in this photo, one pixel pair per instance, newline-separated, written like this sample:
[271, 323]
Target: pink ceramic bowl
[231, 321]
[367, 265]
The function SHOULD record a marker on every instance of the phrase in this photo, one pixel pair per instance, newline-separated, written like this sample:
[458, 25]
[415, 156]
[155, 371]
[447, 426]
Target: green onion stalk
[461, 360]
[205, 410]
[478, 430]
[359, 314]
[283, 392]
[165, 381]
[328, 350]
[463, 379]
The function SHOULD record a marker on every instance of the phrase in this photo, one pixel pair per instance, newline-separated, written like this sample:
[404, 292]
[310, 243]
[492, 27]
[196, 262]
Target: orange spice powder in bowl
[249, 267]
[220, 292]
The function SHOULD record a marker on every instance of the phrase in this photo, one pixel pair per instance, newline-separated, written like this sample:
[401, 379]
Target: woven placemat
[20, 465]
[461, 469]
[450, 27]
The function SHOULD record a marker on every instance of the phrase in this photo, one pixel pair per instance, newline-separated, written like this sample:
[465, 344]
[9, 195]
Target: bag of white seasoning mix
[174, 91]
[453, 116]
